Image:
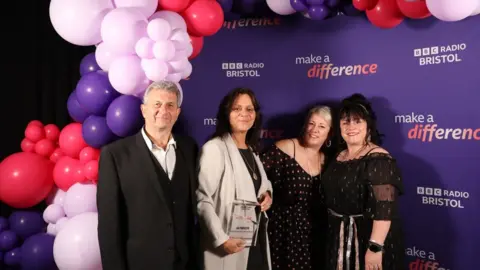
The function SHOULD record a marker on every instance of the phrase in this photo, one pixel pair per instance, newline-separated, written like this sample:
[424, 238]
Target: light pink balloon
[174, 77]
[76, 244]
[451, 10]
[80, 198]
[476, 11]
[122, 28]
[56, 196]
[159, 29]
[53, 213]
[156, 70]
[164, 50]
[281, 7]
[105, 56]
[187, 71]
[181, 36]
[79, 21]
[51, 229]
[144, 47]
[178, 66]
[61, 223]
[173, 18]
[147, 7]
[126, 75]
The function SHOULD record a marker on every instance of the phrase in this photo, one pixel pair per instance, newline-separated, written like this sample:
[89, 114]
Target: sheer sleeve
[384, 182]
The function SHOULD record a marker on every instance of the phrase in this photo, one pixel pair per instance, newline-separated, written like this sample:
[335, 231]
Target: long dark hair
[223, 126]
[354, 107]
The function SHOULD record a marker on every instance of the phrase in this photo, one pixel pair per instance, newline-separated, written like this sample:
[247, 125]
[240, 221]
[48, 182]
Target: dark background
[40, 70]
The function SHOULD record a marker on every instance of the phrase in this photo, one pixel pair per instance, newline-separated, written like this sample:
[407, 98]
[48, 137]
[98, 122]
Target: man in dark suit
[146, 192]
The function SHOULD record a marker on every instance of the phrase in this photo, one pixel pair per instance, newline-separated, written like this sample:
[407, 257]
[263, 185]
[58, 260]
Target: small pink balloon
[146, 7]
[175, 20]
[80, 198]
[56, 155]
[159, 29]
[27, 145]
[51, 229]
[144, 47]
[181, 36]
[178, 66]
[34, 133]
[56, 196]
[104, 55]
[45, 147]
[174, 77]
[156, 70]
[53, 213]
[164, 50]
[91, 170]
[61, 223]
[187, 71]
[89, 153]
[52, 132]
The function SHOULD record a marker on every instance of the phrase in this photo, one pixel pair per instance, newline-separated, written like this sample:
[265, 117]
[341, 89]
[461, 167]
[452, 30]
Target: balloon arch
[137, 42]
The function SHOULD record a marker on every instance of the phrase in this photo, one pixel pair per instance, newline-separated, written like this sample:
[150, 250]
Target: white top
[166, 158]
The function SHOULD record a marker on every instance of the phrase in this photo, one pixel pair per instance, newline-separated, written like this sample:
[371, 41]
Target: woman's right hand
[233, 245]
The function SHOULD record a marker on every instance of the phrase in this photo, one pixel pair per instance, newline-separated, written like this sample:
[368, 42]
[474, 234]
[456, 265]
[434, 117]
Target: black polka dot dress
[291, 223]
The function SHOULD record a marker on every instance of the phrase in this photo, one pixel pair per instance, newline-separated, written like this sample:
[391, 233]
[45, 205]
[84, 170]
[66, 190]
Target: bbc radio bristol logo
[437, 55]
[442, 197]
[242, 70]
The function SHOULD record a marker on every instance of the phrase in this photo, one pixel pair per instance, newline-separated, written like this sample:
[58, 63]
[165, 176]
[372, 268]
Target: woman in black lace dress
[361, 189]
[294, 167]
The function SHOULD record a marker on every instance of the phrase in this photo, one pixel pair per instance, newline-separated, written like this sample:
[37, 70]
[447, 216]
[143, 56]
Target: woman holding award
[234, 191]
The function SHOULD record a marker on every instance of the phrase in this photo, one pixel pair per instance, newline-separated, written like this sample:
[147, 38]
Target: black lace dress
[357, 192]
[293, 216]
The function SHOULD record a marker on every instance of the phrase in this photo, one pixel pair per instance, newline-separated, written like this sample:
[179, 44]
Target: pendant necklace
[254, 171]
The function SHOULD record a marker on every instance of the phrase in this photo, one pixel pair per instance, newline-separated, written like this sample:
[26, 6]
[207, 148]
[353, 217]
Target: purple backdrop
[422, 78]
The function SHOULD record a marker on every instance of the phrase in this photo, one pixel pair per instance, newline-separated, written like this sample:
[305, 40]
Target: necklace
[254, 171]
[308, 164]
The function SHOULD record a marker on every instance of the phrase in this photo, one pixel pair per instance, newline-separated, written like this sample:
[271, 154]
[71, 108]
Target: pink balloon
[159, 29]
[76, 244]
[51, 229]
[164, 50]
[91, 170]
[281, 7]
[53, 213]
[52, 132]
[105, 56]
[451, 10]
[80, 198]
[174, 77]
[144, 47]
[79, 21]
[71, 140]
[146, 7]
[175, 20]
[34, 133]
[126, 75]
[181, 36]
[187, 70]
[122, 28]
[89, 153]
[156, 70]
[61, 224]
[178, 66]
[27, 145]
[56, 155]
[45, 147]
[67, 172]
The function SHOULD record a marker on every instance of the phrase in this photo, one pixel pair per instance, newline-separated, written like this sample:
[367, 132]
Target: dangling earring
[329, 143]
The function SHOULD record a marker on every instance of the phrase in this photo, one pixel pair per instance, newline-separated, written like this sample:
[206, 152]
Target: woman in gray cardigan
[231, 172]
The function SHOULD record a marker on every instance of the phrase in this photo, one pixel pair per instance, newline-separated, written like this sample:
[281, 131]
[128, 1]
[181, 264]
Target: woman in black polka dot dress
[294, 167]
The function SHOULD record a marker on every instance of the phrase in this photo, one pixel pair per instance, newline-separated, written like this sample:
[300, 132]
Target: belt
[351, 227]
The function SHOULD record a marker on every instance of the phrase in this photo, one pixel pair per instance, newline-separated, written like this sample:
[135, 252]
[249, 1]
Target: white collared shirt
[166, 158]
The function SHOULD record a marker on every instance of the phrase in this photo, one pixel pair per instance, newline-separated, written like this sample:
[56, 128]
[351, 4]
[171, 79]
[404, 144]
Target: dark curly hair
[223, 126]
[357, 106]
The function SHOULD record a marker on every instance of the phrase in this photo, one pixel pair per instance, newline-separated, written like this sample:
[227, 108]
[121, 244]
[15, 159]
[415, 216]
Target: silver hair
[323, 111]
[166, 86]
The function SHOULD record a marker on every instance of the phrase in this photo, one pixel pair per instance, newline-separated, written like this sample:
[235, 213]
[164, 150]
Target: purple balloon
[37, 252]
[27, 223]
[226, 5]
[315, 2]
[13, 257]
[318, 12]
[76, 112]
[95, 131]
[124, 117]
[3, 224]
[332, 3]
[89, 64]
[299, 5]
[95, 93]
[8, 240]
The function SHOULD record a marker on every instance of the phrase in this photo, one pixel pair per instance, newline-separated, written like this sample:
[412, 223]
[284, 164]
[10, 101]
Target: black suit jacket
[135, 229]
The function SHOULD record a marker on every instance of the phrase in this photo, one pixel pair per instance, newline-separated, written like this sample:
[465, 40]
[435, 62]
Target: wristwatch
[374, 247]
